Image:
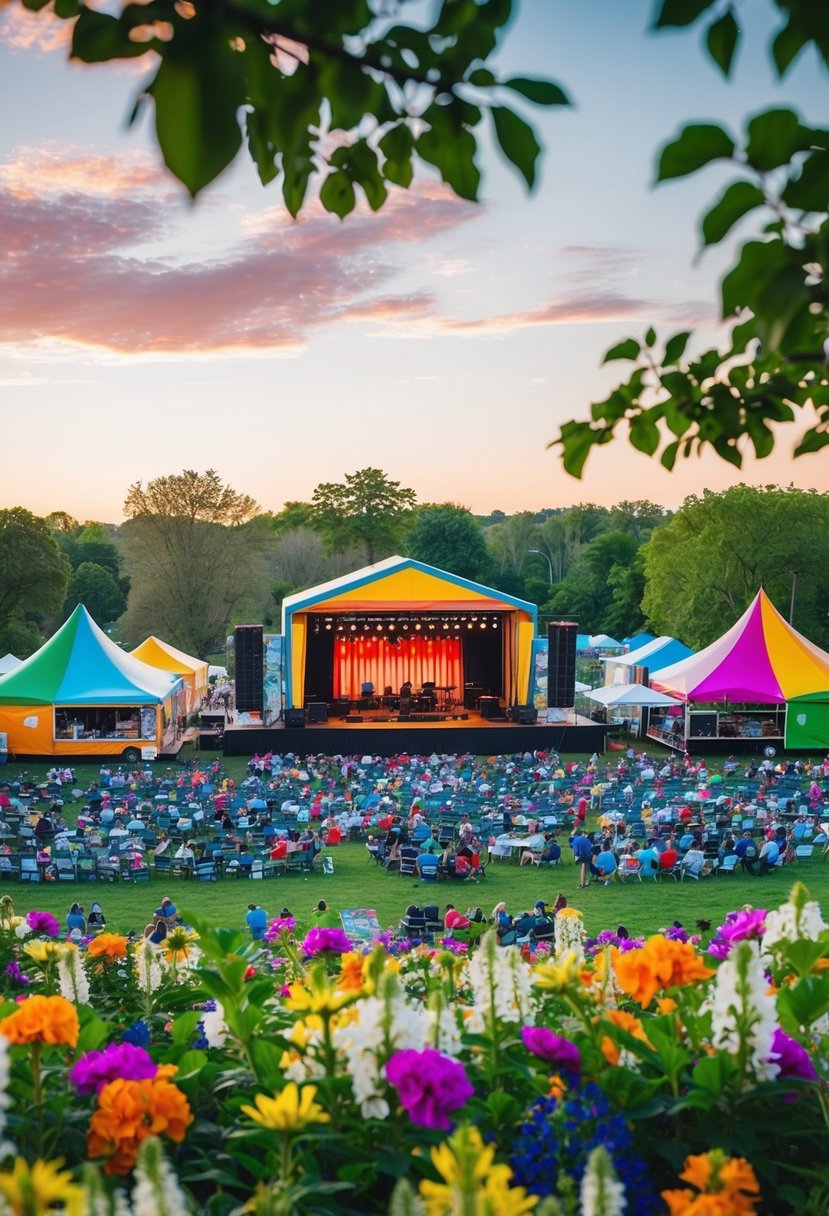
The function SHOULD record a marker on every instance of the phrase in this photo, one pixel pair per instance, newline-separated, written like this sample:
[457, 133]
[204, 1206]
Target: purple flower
[740, 926]
[429, 1085]
[16, 975]
[43, 923]
[792, 1060]
[321, 938]
[279, 924]
[97, 1068]
[552, 1048]
[454, 947]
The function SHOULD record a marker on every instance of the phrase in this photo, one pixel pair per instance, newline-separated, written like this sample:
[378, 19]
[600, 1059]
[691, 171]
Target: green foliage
[34, 575]
[449, 537]
[94, 587]
[306, 77]
[703, 568]
[776, 365]
[366, 510]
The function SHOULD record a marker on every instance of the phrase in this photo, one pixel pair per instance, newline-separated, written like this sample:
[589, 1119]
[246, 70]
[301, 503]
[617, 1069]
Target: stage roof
[79, 665]
[761, 660]
[401, 584]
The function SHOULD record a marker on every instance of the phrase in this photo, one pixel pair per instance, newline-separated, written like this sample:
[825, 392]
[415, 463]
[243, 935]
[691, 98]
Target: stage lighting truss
[394, 628]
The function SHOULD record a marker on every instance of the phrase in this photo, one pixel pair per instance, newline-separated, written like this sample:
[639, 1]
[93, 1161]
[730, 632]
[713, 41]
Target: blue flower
[138, 1034]
[557, 1137]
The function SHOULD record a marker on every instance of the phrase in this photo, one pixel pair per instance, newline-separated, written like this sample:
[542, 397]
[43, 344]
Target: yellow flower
[317, 995]
[33, 1190]
[289, 1111]
[557, 975]
[177, 944]
[44, 952]
[471, 1181]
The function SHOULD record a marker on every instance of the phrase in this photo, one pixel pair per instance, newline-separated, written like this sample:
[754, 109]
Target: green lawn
[358, 882]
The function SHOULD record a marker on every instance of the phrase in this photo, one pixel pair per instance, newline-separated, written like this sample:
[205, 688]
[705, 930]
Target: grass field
[357, 882]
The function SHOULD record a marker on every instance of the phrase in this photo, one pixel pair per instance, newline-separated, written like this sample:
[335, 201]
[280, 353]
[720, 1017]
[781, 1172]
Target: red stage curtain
[376, 661]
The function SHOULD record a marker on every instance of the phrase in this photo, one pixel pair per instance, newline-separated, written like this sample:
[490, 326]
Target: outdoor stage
[474, 735]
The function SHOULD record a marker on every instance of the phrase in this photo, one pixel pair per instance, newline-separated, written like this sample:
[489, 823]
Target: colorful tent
[79, 669]
[167, 658]
[407, 621]
[761, 660]
[653, 655]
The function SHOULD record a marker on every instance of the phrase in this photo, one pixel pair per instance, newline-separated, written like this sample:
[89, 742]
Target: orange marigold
[726, 1186]
[625, 1021]
[108, 945]
[660, 963]
[351, 972]
[130, 1111]
[42, 1019]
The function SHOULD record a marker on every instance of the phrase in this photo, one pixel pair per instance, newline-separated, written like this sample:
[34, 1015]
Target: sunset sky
[440, 341]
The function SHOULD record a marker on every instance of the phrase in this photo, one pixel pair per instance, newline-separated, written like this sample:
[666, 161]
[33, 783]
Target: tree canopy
[34, 575]
[705, 566]
[365, 511]
[449, 537]
[194, 555]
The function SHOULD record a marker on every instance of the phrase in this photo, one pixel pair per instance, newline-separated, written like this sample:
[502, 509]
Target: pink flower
[551, 1048]
[97, 1068]
[792, 1059]
[429, 1085]
[321, 938]
[43, 923]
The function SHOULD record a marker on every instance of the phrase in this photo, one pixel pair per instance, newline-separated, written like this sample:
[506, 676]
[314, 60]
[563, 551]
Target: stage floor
[471, 734]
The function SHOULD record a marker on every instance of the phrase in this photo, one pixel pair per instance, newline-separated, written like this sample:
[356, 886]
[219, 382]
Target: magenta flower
[321, 938]
[97, 1068]
[43, 923]
[552, 1048]
[792, 1060]
[279, 924]
[429, 1085]
[740, 926]
[15, 974]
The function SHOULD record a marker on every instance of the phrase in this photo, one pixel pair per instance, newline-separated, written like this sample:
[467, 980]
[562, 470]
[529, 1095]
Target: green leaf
[668, 457]
[67, 8]
[629, 349]
[774, 137]
[405, 1200]
[576, 439]
[650, 338]
[809, 190]
[675, 347]
[337, 193]
[736, 201]
[397, 146]
[452, 152]
[721, 40]
[482, 78]
[197, 91]
[680, 12]
[787, 45]
[696, 145]
[644, 434]
[812, 441]
[517, 141]
[97, 38]
[542, 92]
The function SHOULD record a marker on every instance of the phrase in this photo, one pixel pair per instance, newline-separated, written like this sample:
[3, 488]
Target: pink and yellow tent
[761, 660]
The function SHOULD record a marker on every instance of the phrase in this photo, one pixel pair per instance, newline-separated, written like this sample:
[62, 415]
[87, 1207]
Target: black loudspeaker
[250, 657]
[294, 717]
[561, 664]
[354, 717]
[317, 711]
[526, 715]
[471, 695]
[490, 707]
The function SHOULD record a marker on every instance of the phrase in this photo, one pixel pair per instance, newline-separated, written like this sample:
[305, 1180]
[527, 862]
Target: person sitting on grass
[605, 864]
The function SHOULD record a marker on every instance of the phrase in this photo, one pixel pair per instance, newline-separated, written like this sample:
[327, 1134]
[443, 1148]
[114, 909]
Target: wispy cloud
[69, 276]
[23, 30]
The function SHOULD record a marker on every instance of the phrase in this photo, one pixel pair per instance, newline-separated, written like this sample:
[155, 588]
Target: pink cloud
[53, 170]
[69, 276]
[23, 30]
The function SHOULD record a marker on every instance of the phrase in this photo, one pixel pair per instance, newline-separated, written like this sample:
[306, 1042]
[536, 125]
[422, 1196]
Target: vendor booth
[761, 682]
[400, 629]
[81, 695]
[165, 657]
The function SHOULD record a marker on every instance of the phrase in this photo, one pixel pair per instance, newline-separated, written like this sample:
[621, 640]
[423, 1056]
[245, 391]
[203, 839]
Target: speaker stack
[561, 664]
[294, 717]
[317, 711]
[525, 715]
[250, 656]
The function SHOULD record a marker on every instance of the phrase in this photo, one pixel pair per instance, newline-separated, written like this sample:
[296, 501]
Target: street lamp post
[541, 553]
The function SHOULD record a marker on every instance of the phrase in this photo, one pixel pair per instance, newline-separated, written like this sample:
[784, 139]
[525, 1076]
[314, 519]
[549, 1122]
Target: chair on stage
[389, 700]
[428, 696]
[367, 697]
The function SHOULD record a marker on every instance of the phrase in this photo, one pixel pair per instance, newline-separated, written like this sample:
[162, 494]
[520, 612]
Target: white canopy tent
[9, 662]
[631, 694]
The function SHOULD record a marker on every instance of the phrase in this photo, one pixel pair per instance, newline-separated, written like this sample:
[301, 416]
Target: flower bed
[301, 1075]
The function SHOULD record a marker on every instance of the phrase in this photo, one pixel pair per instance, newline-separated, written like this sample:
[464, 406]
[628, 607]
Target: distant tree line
[196, 557]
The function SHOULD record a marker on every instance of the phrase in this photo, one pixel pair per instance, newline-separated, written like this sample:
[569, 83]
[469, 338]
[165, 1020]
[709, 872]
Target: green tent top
[79, 665]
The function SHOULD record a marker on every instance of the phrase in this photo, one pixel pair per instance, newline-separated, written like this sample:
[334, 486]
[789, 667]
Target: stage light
[474, 616]
[365, 628]
[405, 628]
[431, 629]
[494, 624]
[445, 624]
[353, 628]
[418, 626]
[469, 625]
[379, 628]
[327, 624]
[483, 624]
[457, 627]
